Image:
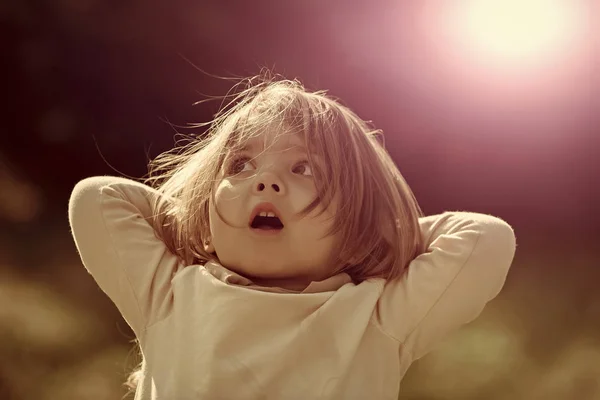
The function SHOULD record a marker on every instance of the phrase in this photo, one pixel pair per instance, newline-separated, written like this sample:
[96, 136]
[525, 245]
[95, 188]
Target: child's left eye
[302, 168]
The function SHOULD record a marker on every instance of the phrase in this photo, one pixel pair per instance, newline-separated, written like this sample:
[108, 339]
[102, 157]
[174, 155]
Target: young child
[283, 256]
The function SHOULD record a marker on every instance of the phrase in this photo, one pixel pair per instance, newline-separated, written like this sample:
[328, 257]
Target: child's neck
[296, 284]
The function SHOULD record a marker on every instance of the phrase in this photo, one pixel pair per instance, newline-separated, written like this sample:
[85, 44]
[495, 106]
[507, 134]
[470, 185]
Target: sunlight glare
[519, 28]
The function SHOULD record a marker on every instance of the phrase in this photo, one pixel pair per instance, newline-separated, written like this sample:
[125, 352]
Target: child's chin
[265, 270]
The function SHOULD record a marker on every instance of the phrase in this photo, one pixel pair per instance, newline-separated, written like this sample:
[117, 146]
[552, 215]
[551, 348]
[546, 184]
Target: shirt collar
[232, 278]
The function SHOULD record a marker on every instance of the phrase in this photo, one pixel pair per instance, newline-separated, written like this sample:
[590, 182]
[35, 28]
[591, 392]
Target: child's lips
[266, 207]
[266, 232]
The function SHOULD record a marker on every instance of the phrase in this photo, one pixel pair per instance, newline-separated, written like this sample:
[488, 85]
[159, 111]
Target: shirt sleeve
[465, 265]
[118, 247]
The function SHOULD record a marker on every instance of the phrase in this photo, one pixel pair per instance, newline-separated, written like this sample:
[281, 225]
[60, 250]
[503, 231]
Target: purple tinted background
[91, 83]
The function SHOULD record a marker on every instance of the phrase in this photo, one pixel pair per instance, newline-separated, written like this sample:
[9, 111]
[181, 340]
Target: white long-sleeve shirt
[208, 333]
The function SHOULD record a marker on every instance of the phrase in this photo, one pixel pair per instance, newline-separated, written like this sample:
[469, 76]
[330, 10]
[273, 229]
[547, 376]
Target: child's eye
[303, 168]
[238, 165]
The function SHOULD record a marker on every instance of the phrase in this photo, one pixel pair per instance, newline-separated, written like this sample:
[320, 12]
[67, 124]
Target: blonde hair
[377, 219]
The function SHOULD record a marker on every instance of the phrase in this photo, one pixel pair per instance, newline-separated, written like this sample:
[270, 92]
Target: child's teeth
[266, 214]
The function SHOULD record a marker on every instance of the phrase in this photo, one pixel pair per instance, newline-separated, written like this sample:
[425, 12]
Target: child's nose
[268, 181]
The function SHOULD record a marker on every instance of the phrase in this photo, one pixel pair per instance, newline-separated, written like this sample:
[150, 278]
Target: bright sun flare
[519, 28]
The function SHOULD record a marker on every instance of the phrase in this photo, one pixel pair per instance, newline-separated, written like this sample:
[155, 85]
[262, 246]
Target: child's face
[280, 175]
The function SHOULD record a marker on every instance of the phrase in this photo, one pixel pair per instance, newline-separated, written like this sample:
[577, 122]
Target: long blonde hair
[377, 219]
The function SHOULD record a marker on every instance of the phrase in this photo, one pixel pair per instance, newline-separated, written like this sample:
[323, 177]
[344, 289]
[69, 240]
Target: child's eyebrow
[251, 147]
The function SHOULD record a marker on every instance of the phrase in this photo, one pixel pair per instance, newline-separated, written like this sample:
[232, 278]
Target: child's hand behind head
[288, 187]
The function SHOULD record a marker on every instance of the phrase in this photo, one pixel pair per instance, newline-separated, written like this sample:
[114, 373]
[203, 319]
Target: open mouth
[266, 221]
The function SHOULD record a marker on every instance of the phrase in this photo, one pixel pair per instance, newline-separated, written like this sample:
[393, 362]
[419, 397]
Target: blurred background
[486, 106]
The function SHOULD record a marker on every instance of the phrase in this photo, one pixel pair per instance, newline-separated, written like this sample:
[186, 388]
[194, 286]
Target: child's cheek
[301, 195]
[226, 191]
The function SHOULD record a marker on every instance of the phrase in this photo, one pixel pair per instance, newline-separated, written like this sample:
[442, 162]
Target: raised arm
[118, 247]
[465, 266]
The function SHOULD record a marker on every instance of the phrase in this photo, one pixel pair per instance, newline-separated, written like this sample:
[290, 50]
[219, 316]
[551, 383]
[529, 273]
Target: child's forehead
[270, 140]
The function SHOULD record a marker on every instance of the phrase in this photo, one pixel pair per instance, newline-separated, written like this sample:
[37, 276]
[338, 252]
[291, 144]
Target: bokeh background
[507, 125]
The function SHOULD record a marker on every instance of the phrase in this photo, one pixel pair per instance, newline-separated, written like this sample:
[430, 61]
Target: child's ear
[208, 245]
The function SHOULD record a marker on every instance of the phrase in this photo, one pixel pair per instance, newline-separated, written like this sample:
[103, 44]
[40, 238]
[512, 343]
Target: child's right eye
[238, 165]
